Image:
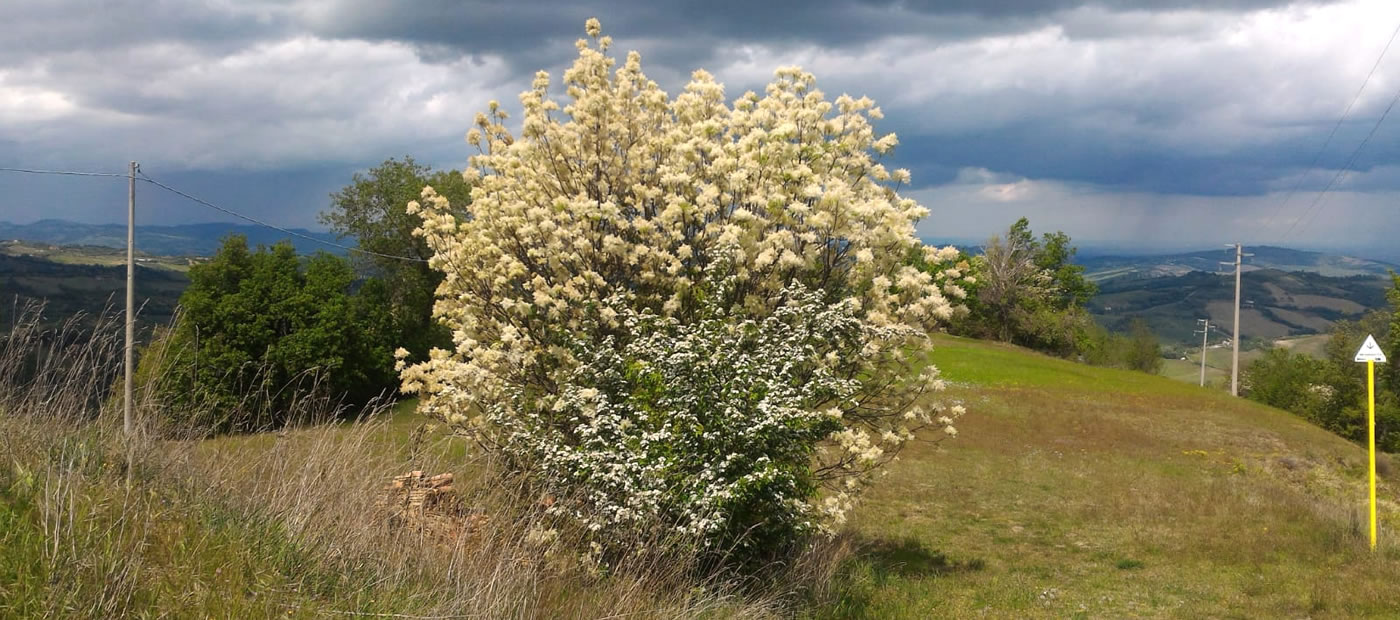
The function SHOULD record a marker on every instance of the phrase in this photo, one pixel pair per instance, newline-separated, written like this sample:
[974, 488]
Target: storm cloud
[1114, 120]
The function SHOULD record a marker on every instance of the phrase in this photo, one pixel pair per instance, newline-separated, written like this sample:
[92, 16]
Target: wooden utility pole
[1205, 331]
[1235, 335]
[130, 293]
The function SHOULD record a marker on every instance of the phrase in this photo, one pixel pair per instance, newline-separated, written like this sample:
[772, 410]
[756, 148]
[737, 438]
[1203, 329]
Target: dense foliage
[371, 211]
[709, 428]
[1030, 292]
[261, 328]
[624, 227]
[1137, 350]
[1331, 392]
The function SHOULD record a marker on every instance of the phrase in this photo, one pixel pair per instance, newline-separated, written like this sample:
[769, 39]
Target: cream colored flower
[616, 192]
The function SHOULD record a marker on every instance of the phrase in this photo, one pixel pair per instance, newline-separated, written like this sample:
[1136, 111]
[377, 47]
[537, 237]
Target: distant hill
[68, 289]
[1102, 268]
[1276, 304]
[183, 240]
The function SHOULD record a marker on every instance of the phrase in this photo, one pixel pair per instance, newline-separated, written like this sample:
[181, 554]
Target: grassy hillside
[1075, 491]
[1218, 359]
[93, 255]
[1071, 491]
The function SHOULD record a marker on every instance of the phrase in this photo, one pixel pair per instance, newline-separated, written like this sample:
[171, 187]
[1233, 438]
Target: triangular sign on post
[1370, 351]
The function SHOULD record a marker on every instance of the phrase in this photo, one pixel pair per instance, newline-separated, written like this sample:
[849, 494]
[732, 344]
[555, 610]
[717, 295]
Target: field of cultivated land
[1218, 360]
[1071, 491]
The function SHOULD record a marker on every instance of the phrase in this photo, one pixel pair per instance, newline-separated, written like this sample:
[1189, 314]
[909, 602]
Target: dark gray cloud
[1165, 103]
[515, 28]
[116, 26]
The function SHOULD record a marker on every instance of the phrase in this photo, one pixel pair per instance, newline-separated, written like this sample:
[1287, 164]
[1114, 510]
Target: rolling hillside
[73, 286]
[1075, 491]
[1276, 304]
[1101, 268]
[1218, 359]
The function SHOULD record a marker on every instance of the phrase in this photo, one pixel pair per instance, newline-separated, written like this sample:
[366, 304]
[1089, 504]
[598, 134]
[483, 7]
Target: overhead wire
[72, 173]
[1346, 168]
[147, 179]
[1328, 141]
[293, 233]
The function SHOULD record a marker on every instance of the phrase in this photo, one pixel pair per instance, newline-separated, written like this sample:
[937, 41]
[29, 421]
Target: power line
[147, 179]
[1345, 168]
[293, 233]
[1331, 134]
[71, 173]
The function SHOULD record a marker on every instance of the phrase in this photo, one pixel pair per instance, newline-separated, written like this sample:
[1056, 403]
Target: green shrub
[259, 330]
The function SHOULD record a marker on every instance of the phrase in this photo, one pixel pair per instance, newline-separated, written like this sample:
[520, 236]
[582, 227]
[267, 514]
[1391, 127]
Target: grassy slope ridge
[1081, 491]
[1218, 359]
[178, 240]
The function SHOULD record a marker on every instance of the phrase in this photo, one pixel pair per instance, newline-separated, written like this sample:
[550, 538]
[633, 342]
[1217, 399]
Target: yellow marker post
[1371, 439]
[1371, 353]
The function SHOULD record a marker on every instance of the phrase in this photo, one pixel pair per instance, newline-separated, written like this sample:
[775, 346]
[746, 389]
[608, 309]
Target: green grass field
[1075, 491]
[1071, 491]
[1308, 345]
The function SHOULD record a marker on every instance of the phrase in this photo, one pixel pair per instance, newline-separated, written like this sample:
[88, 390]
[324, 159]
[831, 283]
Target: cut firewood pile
[429, 505]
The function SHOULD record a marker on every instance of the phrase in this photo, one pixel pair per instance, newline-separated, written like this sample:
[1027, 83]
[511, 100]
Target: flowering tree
[685, 311]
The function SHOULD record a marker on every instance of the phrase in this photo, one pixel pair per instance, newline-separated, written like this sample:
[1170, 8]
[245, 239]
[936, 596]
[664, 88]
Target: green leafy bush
[259, 329]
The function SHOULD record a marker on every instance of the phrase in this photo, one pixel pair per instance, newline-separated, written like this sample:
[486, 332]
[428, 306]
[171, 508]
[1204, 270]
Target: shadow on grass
[909, 557]
[859, 587]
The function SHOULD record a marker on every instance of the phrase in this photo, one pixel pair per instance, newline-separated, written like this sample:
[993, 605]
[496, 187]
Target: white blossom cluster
[711, 427]
[624, 211]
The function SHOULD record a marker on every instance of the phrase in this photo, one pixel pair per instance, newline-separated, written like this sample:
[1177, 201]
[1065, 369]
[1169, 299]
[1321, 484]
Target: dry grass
[288, 523]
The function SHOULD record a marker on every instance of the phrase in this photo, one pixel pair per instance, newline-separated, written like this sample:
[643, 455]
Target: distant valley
[1285, 292]
[68, 286]
[182, 240]
[1102, 268]
[1275, 304]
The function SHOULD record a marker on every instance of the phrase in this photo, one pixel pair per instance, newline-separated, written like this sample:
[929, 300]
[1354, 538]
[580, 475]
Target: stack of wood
[419, 492]
[429, 505]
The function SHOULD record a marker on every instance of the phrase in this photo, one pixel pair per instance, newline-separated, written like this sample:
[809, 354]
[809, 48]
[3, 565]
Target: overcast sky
[1167, 123]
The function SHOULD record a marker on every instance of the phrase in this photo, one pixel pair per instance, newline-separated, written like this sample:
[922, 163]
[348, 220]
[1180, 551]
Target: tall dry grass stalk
[148, 524]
